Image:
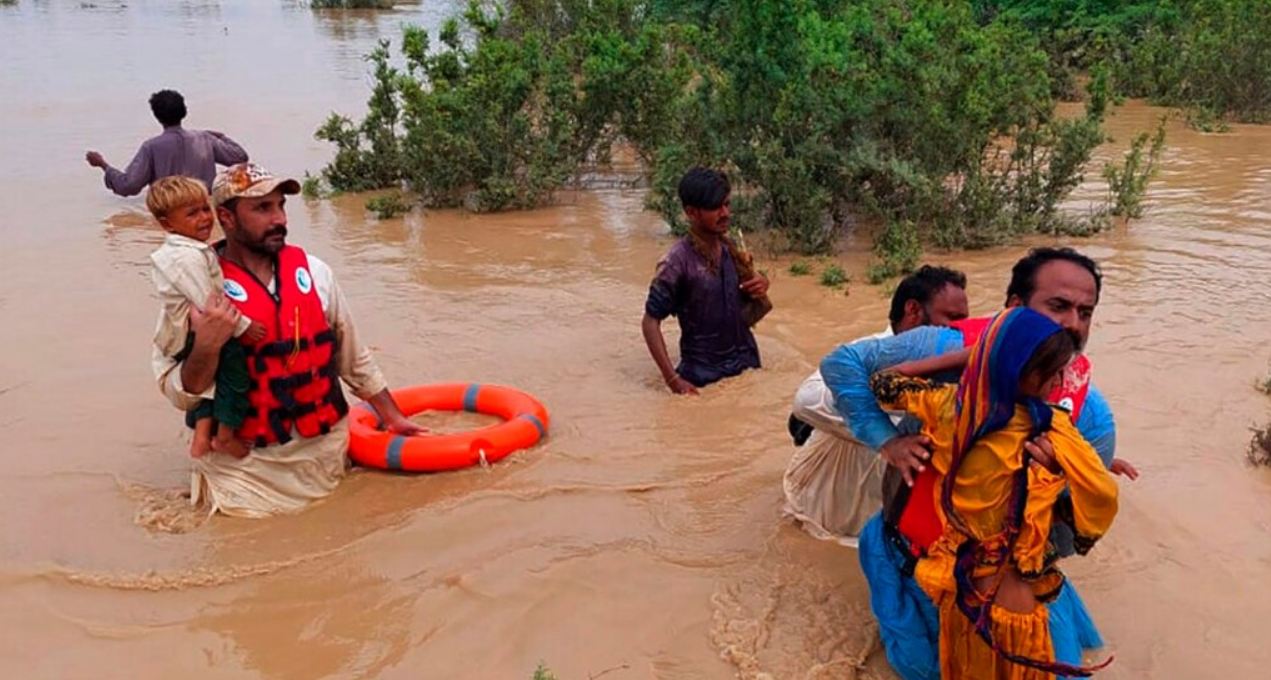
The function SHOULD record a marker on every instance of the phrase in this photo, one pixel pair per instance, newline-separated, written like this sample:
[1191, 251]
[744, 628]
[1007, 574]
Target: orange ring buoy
[525, 423]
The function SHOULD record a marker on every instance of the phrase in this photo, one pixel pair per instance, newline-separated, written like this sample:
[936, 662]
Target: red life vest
[295, 378]
[918, 521]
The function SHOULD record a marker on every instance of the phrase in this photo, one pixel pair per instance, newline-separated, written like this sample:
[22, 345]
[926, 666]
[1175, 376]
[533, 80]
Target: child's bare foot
[200, 447]
[202, 442]
[228, 444]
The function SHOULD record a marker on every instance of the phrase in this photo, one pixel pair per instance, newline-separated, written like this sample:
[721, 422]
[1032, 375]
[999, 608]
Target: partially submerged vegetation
[389, 205]
[1260, 446]
[926, 122]
[1211, 58]
[351, 4]
[800, 268]
[833, 276]
[1127, 182]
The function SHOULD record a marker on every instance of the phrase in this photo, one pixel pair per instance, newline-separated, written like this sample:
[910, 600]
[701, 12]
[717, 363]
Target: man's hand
[756, 286]
[399, 424]
[95, 159]
[1043, 453]
[679, 385]
[215, 323]
[391, 415]
[907, 453]
[1121, 466]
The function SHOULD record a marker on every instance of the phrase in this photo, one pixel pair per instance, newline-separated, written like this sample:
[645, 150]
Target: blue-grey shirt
[177, 151]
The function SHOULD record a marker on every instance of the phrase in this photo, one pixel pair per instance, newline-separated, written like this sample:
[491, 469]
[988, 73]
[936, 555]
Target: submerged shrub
[921, 115]
[1260, 446]
[896, 252]
[833, 276]
[1127, 182]
[351, 4]
[388, 206]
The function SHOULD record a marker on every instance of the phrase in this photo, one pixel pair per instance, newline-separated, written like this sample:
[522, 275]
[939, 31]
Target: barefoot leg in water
[202, 442]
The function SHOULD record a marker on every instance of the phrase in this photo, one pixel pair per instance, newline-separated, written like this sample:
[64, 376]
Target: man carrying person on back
[834, 483]
[1064, 286]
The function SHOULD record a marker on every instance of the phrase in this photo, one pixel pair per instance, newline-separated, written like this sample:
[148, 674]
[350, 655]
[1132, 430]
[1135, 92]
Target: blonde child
[186, 272]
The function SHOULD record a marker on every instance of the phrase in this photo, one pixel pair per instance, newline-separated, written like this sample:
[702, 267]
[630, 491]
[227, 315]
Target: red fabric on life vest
[293, 369]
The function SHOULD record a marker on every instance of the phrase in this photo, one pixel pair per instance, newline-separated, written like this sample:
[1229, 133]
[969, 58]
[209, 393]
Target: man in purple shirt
[191, 153]
[709, 284]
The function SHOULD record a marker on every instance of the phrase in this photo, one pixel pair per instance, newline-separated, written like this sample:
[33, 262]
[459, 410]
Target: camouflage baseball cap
[248, 180]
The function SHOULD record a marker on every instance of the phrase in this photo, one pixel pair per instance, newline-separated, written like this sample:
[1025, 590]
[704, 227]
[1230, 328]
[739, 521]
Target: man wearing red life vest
[1063, 285]
[296, 431]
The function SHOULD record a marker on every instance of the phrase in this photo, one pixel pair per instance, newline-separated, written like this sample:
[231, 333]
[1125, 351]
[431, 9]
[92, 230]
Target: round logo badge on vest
[1066, 404]
[235, 291]
[303, 281]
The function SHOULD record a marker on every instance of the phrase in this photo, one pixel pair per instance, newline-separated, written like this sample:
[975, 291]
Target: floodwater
[644, 538]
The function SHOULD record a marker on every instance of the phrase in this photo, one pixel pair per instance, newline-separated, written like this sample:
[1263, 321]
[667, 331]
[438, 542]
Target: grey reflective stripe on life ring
[470, 397]
[542, 431]
[393, 456]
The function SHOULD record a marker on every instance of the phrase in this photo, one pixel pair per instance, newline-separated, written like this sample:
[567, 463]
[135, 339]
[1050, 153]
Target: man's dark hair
[704, 188]
[168, 106]
[921, 286]
[1024, 273]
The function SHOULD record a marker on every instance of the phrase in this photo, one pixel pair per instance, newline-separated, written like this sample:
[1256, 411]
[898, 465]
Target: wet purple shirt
[715, 341]
[177, 151]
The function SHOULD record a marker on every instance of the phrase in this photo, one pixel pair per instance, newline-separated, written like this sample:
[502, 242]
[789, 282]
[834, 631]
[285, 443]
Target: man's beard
[262, 246]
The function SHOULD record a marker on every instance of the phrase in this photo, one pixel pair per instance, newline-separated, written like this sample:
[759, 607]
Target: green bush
[368, 154]
[1127, 182]
[388, 206]
[800, 268]
[1209, 57]
[312, 186]
[833, 276]
[351, 4]
[505, 120]
[907, 111]
[1260, 446]
[1219, 60]
[896, 252]
[825, 113]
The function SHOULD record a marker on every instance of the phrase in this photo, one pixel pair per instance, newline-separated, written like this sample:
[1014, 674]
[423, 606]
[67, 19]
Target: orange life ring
[525, 423]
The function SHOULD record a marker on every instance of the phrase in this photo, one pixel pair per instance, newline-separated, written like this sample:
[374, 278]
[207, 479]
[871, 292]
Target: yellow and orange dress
[981, 497]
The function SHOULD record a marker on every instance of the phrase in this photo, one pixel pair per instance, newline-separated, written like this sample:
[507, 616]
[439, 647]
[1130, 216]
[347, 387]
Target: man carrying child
[290, 447]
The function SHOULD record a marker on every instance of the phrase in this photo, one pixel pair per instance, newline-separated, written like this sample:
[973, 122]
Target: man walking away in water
[177, 151]
[710, 285]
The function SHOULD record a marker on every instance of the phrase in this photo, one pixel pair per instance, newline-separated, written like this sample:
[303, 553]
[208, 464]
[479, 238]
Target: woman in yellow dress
[992, 570]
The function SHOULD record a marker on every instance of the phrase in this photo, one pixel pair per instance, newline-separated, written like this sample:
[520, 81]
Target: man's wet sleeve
[847, 371]
[663, 298]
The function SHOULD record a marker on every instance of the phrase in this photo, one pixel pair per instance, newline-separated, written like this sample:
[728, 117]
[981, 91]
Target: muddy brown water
[644, 538]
